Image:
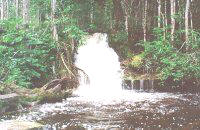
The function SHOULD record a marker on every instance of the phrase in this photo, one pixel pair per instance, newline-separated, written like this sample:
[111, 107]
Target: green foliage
[119, 37]
[171, 60]
[2, 104]
[27, 52]
[137, 61]
[2, 88]
[25, 55]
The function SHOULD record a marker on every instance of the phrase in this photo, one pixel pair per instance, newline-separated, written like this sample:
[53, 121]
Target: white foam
[101, 64]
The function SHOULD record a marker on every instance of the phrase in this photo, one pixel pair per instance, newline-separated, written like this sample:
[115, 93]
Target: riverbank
[15, 99]
[135, 77]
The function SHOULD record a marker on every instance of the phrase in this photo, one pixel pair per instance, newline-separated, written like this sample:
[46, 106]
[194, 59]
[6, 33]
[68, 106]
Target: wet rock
[8, 102]
[56, 90]
[127, 84]
[142, 85]
[52, 95]
[19, 125]
[64, 83]
[9, 97]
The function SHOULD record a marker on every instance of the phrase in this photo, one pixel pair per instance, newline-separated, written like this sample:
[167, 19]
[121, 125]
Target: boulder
[9, 97]
[8, 102]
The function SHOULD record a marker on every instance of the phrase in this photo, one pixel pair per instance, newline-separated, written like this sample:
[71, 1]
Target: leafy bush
[119, 37]
[2, 87]
[24, 53]
[171, 60]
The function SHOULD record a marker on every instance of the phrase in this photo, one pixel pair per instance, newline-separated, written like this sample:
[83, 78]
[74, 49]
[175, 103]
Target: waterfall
[142, 85]
[101, 64]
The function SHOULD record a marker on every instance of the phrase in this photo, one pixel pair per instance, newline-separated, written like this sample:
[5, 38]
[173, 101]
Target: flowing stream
[102, 103]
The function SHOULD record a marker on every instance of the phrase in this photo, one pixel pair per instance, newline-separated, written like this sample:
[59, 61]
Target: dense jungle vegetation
[39, 38]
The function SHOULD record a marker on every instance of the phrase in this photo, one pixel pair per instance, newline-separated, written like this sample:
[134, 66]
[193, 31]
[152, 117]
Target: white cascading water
[101, 64]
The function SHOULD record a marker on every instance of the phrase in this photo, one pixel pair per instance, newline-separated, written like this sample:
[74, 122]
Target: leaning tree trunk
[187, 23]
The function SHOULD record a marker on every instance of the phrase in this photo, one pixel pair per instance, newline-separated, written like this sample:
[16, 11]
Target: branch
[61, 55]
[181, 46]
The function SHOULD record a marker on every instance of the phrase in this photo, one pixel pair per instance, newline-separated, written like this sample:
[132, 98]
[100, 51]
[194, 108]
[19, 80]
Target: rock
[9, 97]
[53, 96]
[56, 89]
[57, 85]
[8, 102]
[19, 125]
[51, 84]
[142, 84]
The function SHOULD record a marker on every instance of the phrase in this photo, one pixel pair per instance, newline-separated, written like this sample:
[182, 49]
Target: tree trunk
[118, 13]
[54, 28]
[124, 4]
[2, 9]
[173, 21]
[187, 23]
[92, 12]
[191, 16]
[6, 9]
[145, 20]
[17, 8]
[166, 20]
[159, 13]
[25, 11]
[191, 21]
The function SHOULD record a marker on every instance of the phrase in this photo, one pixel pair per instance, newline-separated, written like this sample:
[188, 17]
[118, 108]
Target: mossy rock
[5, 89]
[9, 102]
[50, 97]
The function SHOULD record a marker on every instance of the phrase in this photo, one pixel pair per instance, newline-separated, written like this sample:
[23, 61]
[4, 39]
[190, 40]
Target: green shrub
[172, 60]
[24, 53]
